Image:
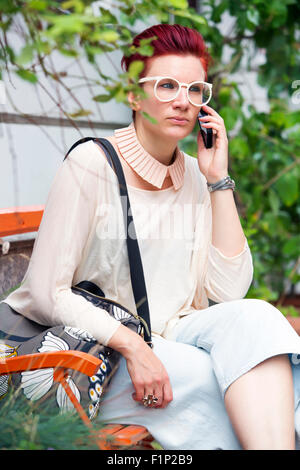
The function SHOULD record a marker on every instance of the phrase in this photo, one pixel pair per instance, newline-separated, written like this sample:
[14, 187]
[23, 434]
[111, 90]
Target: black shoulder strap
[135, 262]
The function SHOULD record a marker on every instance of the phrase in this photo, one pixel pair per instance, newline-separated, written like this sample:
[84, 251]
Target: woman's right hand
[147, 373]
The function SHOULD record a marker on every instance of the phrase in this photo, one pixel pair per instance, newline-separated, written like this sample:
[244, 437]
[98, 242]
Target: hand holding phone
[206, 132]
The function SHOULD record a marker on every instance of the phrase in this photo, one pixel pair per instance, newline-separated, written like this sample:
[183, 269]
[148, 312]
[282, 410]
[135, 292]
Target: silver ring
[149, 400]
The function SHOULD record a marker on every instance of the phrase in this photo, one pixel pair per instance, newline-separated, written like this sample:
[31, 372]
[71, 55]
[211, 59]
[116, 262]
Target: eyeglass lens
[167, 89]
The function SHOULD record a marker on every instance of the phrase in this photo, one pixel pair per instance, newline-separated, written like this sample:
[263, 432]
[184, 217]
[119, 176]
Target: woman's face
[186, 69]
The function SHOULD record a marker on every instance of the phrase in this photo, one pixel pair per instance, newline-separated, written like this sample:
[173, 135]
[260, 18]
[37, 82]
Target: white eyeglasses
[167, 89]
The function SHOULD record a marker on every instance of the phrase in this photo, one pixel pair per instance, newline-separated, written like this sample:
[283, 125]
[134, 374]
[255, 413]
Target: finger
[210, 110]
[218, 131]
[135, 397]
[200, 141]
[213, 130]
[167, 394]
[213, 125]
[210, 118]
[138, 394]
[158, 393]
[210, 125]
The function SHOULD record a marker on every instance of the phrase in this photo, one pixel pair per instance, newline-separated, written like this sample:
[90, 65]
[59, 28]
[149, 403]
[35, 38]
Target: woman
[223, 376]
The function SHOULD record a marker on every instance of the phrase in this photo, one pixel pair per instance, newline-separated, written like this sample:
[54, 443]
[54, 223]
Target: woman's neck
[162, 151]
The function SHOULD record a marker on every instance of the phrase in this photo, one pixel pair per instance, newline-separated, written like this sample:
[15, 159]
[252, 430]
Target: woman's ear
[133, 101]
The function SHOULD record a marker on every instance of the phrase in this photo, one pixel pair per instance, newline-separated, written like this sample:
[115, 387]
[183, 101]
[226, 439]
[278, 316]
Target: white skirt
[209, 350]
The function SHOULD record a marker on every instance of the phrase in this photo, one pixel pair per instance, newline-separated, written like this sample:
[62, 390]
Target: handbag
[19, 335]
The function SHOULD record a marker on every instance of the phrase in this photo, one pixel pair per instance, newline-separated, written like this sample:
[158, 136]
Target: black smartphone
[206, 132]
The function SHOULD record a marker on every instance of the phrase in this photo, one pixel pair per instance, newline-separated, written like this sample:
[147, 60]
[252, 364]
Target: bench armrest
[76, 360]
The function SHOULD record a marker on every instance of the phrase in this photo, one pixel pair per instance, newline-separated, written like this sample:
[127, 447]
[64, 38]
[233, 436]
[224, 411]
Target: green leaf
[39, 5]
[95, 50]
[69, 52]
[274, 201]
[230, 116]
[150, 118]
[80, 113]
[278, 118]
[102, 98]
[288, 310]
[287, 187]
[107, 16]
[147, 41]
[291, 247]
[146, 50]
[292, 119]
[191, 16]
[238, 148]
[68, 24]
[218, 10]
[120, 95]
[224, 95]
[253, 16]
[25, 56]
[182, 4]
[135, 69]
[28, 76]
[271, 222]
[76, 5]
[108, 35]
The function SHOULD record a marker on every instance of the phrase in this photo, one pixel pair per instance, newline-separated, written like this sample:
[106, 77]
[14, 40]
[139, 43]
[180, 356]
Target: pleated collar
[144, 164]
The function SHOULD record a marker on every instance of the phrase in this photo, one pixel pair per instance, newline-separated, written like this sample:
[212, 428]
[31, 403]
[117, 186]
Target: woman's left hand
[213, 162]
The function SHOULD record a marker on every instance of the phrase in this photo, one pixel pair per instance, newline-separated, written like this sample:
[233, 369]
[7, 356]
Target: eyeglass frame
[187, 85]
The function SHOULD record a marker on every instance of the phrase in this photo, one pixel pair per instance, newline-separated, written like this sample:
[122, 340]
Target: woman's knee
[259, 311]
[259, 306]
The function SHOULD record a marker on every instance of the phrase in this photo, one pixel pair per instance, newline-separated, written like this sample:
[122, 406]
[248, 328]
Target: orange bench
[15, 220]
[111, 436]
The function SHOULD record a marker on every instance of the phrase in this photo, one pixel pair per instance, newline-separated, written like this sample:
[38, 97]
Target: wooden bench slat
[110, 429]
[71, 359]
[20, 220]
[113, 436]
[130, 435]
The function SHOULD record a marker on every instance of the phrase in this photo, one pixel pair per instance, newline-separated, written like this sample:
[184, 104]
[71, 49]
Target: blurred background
[61, 80]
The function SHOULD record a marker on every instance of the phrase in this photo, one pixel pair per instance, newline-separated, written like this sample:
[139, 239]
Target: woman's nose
[182, 97]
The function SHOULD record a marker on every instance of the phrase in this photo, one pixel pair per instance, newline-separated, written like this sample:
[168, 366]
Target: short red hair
[171, 39]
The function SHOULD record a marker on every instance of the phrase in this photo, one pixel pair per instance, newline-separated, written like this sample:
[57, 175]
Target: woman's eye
[167, 85]
[195, 89]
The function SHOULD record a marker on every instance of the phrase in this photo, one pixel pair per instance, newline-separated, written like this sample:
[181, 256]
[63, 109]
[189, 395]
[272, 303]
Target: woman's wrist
[125, 341]
[213, 179]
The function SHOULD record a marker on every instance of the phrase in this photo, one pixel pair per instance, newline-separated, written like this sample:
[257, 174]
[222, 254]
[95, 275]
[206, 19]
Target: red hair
[171, 39]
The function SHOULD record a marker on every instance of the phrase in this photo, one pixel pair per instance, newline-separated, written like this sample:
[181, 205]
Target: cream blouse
[82, 237]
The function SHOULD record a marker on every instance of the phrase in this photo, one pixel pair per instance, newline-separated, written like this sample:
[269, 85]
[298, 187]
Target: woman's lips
[178, 121]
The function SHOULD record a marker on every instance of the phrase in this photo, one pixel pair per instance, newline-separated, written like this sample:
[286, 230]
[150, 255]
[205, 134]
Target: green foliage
[6, 293]
[23, 426]
[264, 146]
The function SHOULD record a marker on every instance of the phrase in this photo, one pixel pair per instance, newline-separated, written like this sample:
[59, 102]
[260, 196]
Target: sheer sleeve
[222, 278]
[228, 278]
[66, 227]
